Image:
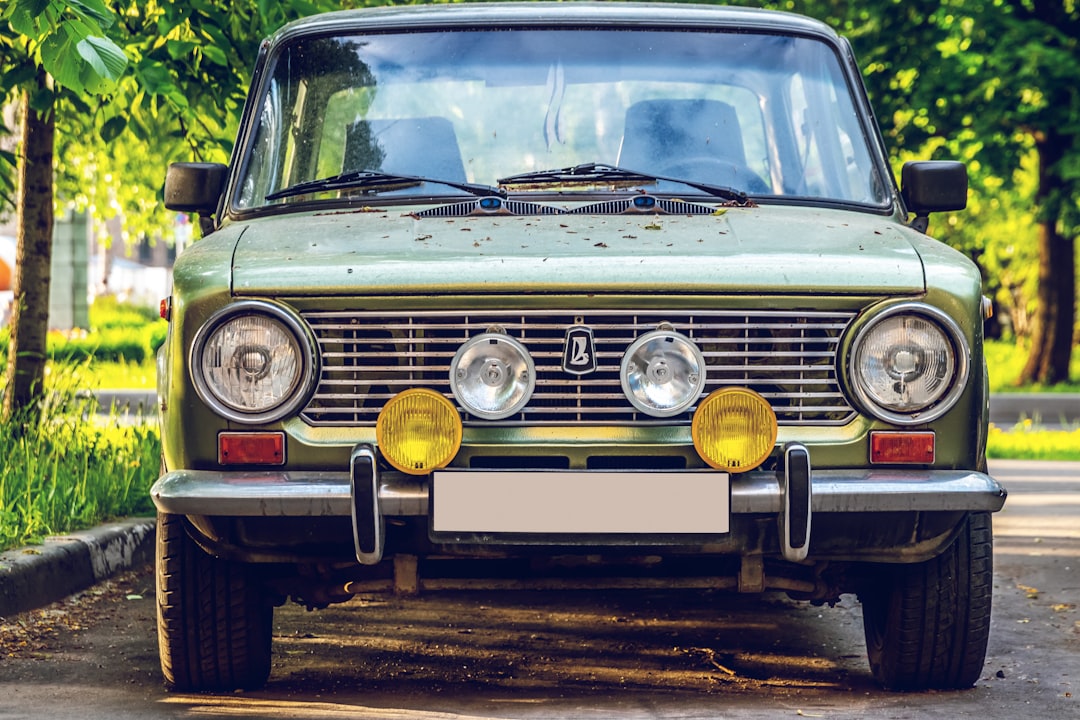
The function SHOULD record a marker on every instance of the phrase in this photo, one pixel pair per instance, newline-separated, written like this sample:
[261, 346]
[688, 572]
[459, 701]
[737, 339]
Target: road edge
[35, 576]
[32, 577]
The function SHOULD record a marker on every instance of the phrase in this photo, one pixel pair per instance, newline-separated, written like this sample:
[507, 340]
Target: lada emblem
[579, 351]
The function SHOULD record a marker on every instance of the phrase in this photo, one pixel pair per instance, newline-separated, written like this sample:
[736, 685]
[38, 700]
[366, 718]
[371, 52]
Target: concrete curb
[32, 577]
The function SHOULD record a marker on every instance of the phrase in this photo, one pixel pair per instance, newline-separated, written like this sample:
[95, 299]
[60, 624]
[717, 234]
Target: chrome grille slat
[787, 356]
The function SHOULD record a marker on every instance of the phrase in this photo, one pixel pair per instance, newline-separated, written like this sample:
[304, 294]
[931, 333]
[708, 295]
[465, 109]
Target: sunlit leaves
[112, 128]
[68, 39]
[105, 56]
[984, 81]
[180, 99]
[31, 18]
[65, 37]
[81, 61]
[215, 55]
[95, 9]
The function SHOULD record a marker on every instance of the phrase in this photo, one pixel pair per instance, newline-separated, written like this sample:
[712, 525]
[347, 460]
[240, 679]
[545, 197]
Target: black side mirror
[195, 187]
[933, 186]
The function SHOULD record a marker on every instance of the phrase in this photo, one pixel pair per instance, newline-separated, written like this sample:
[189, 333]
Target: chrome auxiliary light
[663, 373]
[492, 376]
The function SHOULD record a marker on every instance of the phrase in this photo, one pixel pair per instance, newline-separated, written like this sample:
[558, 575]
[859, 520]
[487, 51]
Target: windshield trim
[345, 23]
[556, 199]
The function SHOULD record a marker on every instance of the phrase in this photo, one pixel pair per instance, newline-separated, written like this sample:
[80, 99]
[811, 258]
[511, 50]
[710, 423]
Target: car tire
[927, 624]
[214, 624]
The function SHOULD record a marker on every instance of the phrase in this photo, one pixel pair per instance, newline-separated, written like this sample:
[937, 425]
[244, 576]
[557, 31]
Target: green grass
[1027, 441]
[67, 473]
[72, 470]
[117, 375]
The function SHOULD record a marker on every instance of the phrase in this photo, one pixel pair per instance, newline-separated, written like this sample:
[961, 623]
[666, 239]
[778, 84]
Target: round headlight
[734, 429]
[418, 431]
[492, 376]
[250, 364]
[909, 365]
[663, 373]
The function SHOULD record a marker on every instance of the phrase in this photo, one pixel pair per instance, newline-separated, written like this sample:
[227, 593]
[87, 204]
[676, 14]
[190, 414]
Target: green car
[597, 295]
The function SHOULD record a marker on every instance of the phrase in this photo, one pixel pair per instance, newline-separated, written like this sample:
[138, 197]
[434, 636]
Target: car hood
[761, 250]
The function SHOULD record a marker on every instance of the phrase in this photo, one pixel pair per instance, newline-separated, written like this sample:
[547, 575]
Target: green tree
[996, 80]
[999, 231]
[181, 99]
[50, 52]
[110, 134]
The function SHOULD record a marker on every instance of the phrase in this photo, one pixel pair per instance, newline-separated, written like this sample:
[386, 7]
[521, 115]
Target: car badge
[579, 351]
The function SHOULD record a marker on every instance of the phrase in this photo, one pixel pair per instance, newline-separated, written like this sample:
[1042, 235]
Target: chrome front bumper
[794, 496]
[321, 494]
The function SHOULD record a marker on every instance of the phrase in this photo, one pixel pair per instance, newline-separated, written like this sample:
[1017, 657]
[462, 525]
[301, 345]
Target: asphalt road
[670, 654]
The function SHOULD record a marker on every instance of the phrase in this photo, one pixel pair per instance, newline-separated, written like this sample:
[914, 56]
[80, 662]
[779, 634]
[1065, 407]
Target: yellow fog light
[734, 429]
[418, 431]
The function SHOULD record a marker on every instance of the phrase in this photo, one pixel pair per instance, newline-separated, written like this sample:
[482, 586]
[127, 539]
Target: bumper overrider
[818, 514]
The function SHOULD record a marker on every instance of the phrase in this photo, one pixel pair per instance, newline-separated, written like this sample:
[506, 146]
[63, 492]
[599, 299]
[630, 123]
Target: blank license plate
[581, 502]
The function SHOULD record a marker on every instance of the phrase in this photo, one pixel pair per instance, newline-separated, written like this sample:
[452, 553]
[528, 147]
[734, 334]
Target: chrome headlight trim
[634, 377]
[937, 406]
[512, 371]
[301, 386]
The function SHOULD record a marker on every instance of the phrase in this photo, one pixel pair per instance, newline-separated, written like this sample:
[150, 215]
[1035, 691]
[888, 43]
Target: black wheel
[927, 624]
[214, 625]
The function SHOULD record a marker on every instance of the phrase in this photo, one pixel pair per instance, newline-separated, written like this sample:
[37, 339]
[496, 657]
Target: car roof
[557, 14]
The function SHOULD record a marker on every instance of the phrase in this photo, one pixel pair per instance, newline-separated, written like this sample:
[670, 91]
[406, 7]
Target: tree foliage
[181, 97]
[52, 51]
[66, 39]
[117, 131]
[995, 83]
[191, 65]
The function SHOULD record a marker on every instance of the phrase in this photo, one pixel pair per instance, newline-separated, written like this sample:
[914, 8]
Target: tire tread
[213, 627]
[927, 624]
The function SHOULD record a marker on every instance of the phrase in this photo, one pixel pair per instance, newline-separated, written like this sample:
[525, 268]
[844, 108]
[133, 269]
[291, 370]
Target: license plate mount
[580, 503]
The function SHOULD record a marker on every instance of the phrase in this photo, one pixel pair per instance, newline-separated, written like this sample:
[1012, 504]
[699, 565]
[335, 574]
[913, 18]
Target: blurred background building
[138, 272]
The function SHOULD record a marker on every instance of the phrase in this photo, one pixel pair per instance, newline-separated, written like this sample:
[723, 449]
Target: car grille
[787, 356]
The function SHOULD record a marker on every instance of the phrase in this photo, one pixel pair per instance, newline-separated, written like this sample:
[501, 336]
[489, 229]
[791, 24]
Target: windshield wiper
[371, 181]
[598, 173]
[583, 174]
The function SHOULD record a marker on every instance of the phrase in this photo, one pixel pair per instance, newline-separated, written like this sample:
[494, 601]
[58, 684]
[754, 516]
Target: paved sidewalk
[1052, 411]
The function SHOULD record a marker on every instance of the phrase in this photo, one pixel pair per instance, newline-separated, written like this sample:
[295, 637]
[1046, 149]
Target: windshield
[767, 115]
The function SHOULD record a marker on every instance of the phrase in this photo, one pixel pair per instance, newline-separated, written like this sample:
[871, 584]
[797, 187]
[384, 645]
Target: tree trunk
[1055, 312]
[30, 317]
